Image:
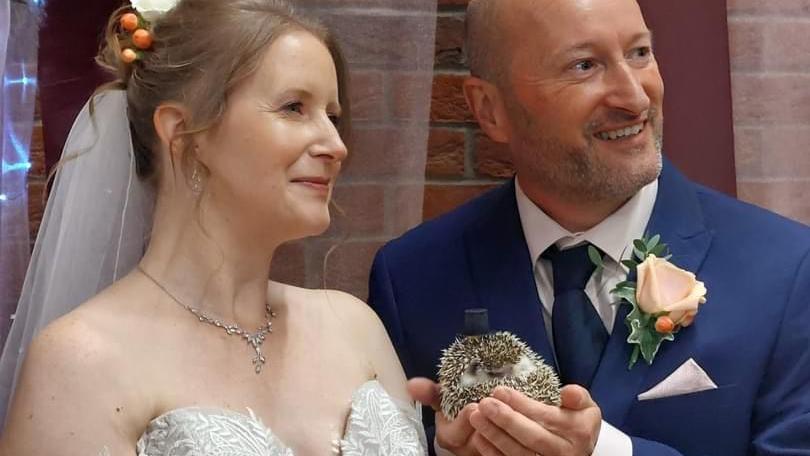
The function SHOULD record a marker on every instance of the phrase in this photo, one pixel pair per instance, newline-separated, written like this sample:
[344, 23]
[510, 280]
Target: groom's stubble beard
[580, 174]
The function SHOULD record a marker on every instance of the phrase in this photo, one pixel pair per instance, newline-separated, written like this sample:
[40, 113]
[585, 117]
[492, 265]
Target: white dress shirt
[614, 236]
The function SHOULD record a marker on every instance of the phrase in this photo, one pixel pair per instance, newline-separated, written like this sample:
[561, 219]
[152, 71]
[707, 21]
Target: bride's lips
[317, 183]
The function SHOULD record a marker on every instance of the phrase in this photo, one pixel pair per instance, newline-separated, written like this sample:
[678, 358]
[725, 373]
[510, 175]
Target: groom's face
[584, 97]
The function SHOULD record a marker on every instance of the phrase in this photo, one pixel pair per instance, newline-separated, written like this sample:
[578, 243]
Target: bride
[235, 108]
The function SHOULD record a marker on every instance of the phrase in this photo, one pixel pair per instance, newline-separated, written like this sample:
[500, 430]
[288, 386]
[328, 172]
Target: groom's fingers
[425, 391]
[456, 434]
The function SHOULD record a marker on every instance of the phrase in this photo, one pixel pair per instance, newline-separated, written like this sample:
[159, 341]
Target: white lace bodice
[377, 425]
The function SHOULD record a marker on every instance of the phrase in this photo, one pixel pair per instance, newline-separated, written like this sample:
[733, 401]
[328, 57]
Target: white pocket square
[689, 378]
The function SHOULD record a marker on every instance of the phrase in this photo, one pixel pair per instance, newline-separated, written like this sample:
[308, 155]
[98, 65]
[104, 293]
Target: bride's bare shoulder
[90, 345]
[92, 331]
[74, 381]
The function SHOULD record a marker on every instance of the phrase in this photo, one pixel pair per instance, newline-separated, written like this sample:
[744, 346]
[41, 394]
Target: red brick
[374, 39]
[772, 152]
[37, 152]
[36, 204]
[782, 99]
[367, 94]
[289, 264]
[348, 266]
[410, 93]
[491, 159]
[442, 198]
[453, 2]
[787, 198]
[445, 153]
[360, 211]
[406, 212]
[385, 153]
[782, 7]
[448, 104]
[762, 44]
[450, 40]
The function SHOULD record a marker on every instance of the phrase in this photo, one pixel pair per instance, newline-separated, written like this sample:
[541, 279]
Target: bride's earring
[196, 180]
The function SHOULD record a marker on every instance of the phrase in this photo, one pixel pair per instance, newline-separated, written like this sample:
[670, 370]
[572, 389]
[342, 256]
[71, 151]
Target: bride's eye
[295, 107]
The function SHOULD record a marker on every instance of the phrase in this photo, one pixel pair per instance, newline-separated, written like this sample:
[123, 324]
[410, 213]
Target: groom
[573, 88]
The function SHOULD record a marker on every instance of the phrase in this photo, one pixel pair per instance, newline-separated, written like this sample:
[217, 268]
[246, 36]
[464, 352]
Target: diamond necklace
[255, 340]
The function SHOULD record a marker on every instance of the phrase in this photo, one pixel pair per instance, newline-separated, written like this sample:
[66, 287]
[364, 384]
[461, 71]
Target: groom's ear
[486, 103]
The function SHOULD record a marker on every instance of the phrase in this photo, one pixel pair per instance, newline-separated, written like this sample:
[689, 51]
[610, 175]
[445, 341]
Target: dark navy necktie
[579, 333]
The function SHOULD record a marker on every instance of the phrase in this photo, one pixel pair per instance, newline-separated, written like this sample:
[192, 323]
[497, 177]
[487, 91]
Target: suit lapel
[502, 273]
[678, 218]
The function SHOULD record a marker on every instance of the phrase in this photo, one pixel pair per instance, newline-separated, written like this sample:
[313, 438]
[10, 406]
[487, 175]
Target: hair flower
[152, 9]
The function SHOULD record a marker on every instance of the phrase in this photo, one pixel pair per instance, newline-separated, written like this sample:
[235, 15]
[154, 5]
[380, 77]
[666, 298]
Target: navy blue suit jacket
[752, 336]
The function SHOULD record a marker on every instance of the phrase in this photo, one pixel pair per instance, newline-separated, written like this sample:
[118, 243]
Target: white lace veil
[75, 256]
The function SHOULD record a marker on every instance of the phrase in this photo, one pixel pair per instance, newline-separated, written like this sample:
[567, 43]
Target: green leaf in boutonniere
[651, 320]
[596, 258]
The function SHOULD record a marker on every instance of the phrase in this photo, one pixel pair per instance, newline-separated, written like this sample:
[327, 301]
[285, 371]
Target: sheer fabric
[94, 229]
[18, 70]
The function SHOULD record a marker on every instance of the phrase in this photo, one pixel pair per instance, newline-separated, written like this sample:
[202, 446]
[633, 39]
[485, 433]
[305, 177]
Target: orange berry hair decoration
[142, 39]
[130, 22]
[129, 56]
[137, 35]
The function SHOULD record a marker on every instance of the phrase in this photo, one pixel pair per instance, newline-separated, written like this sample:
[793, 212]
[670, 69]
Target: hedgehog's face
[483, 370]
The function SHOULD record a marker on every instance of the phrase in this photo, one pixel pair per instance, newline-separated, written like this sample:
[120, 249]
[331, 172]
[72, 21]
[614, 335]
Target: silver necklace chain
[255, 340]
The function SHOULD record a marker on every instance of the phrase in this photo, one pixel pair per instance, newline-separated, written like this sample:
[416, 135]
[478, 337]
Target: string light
[19, 146]
[20, 166]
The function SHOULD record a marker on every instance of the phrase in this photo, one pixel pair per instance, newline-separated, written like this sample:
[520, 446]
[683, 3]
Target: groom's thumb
[575, 397]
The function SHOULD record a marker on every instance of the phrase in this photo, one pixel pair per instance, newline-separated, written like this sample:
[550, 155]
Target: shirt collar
[613, 235]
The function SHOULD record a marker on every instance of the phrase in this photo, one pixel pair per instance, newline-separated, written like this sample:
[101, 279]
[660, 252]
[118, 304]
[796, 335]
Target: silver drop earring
[196, 180]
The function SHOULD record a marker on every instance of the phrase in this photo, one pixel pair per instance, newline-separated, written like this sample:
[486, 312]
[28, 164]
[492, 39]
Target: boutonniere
[664, 297]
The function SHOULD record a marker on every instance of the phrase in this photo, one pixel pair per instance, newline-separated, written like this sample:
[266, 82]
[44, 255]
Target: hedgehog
[474, 365]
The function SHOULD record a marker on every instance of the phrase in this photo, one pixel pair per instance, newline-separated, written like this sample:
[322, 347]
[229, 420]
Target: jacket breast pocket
[719, 415]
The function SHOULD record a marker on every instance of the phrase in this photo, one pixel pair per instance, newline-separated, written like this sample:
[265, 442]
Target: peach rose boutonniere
[664, 297]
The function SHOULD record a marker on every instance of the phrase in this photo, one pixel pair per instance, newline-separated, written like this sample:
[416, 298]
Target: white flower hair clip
[152, 9]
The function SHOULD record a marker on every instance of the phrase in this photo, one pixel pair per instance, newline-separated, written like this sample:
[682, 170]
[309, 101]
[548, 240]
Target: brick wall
[461, 161]
[389, 46]
[36, 177]
[770, 61]
[771, 89]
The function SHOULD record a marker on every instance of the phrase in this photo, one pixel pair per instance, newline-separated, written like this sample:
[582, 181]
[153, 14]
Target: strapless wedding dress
[378, 425]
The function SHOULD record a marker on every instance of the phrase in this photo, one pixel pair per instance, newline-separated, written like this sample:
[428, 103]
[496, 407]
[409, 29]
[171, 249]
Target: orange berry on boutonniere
[664, 325]
[129, 22]
[129, 56]
[142, 39]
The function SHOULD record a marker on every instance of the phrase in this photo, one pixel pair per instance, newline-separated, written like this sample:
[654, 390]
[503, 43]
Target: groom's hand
[513, 424]
[457, 436]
